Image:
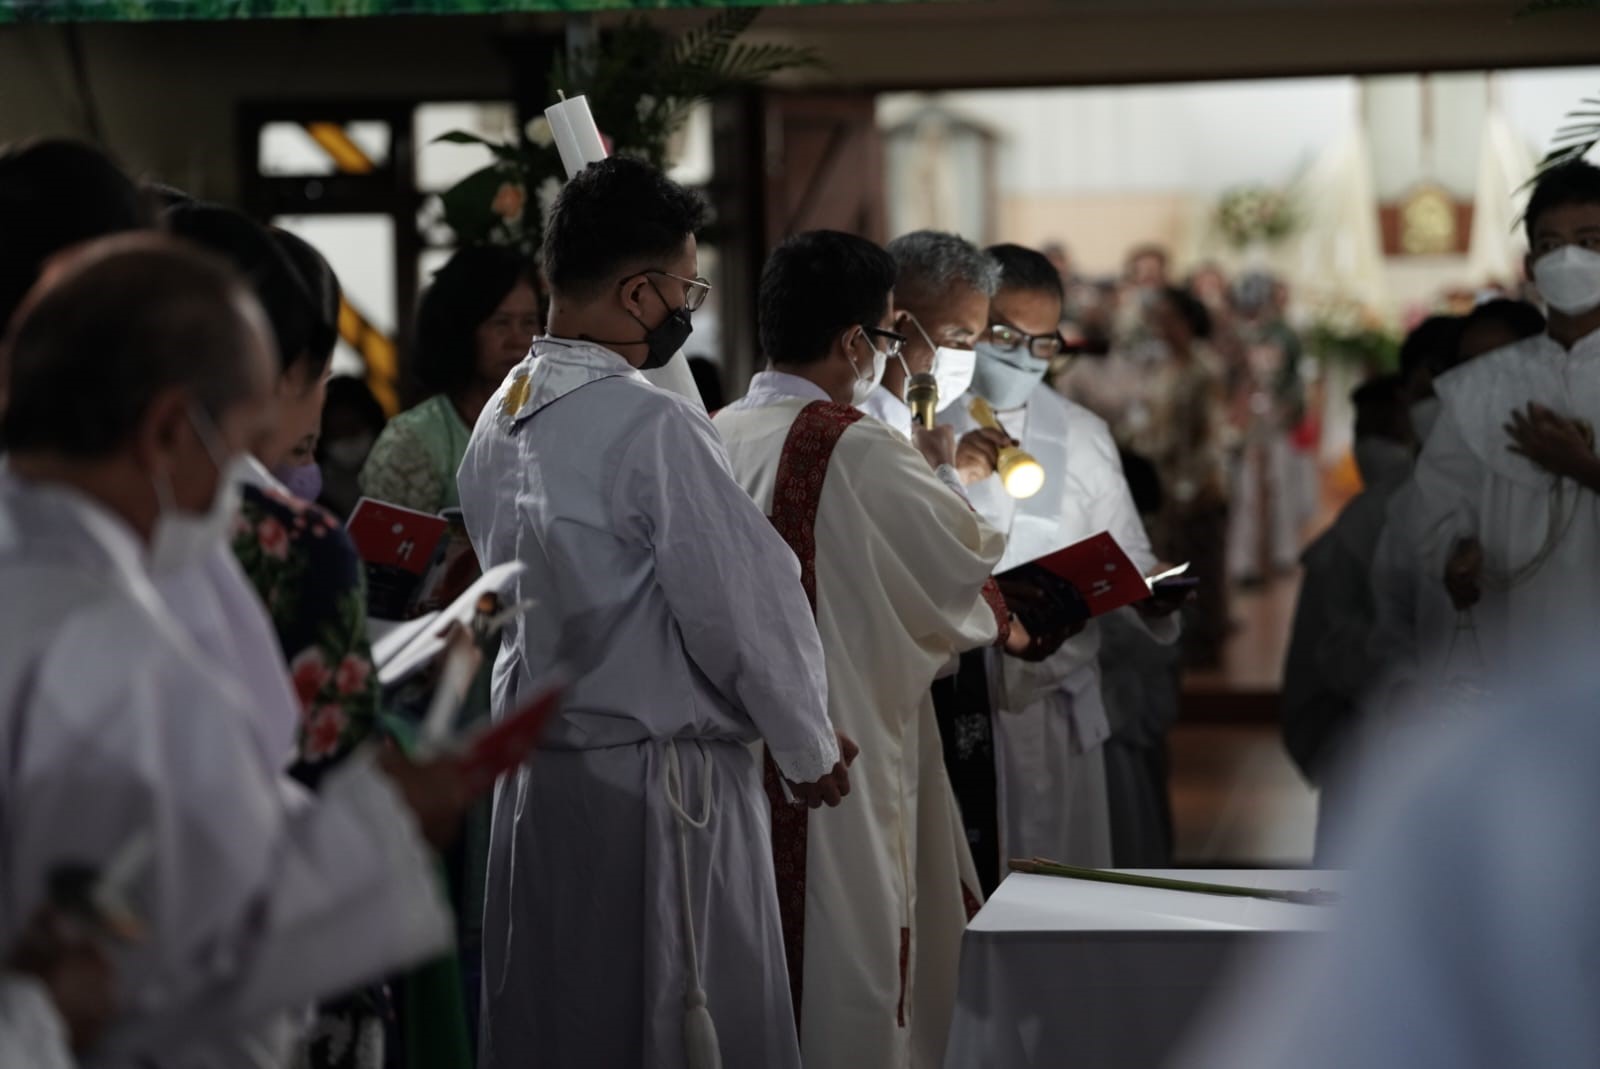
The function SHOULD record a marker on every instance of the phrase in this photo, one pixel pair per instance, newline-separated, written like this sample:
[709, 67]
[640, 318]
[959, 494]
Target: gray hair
[930, 262]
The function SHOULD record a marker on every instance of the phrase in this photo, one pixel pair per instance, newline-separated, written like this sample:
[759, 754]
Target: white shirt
[222, 612]
[1464, 938]
[1540, 535]
[895, 414]
[1084, 493]
[32, 1033]
[901, 566]
[114, 724]
[673, 602]
[888, 410]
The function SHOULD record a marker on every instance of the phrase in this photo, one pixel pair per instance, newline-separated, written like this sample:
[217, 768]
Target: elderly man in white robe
[630, 878]
[1050, 719]
[1506, 486]
[897, 567]
[943, 284]
[255, 900]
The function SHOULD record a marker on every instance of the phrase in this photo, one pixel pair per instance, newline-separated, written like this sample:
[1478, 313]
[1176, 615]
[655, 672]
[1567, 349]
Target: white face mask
[952, 368]
[864, 385]
[181, 538]
[349, 453]
[1569, 279]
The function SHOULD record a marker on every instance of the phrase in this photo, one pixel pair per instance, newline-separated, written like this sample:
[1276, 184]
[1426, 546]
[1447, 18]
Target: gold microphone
[1021, 475]
[922, 397]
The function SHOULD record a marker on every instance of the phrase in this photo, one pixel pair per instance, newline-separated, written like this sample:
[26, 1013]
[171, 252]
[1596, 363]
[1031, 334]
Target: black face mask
[663, 341]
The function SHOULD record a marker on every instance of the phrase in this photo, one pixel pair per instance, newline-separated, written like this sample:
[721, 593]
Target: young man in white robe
[1049, 717]
[897, 566]
[1507, 513]
[1414, 610]
[119, 738]
[630, 874]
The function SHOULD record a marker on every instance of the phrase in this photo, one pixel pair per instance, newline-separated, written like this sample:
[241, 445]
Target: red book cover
[395, 537]
[1098, 570]
[398, 547]
[507, 743]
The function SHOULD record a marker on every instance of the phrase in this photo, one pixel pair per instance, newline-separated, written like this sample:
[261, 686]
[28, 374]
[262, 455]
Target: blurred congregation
[630, 632]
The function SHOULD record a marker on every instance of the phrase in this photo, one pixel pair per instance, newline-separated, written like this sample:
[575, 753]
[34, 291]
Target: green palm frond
[706, 45]
[1577, 137]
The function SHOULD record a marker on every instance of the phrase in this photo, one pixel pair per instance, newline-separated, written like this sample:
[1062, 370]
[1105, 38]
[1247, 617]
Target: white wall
[1207, 137]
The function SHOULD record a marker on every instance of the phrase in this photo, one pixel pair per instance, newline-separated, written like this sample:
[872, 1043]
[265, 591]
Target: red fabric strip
[802, 467]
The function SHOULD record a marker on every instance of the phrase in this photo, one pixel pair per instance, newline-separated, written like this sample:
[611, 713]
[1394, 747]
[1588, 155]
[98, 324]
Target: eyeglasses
[1040, 346]
[695, 290]
[897, 342]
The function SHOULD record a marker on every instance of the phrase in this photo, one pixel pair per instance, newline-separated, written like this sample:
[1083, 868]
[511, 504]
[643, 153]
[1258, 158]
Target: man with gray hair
[1049, 716]
[138, 374]
[941, 305]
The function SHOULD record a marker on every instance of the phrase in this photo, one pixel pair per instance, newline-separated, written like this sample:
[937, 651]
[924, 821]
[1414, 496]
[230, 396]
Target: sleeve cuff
[809, 764]
[952, 478]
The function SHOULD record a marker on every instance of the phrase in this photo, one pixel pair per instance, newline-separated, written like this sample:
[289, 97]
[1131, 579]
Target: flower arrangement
[1256, 215]
[640, 84]
[1346, 332]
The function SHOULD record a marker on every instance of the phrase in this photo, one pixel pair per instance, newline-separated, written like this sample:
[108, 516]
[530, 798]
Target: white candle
[577, 136]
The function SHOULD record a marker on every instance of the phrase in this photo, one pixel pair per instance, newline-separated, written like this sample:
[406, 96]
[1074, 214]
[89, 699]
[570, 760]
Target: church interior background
[1106, 131]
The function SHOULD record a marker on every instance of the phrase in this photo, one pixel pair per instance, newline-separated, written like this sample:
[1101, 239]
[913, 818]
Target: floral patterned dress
[306, 570]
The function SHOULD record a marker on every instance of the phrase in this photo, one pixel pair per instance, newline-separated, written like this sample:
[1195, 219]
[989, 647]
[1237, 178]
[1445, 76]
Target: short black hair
[1575, 182]
[298, 318]
[53, 195]
[464, 293]
[321, 284]
[1431, 346]
[1022, 268]
[355, 396]
[816, 286]
[1521, 318]
[131, 316]
[1192, 309]
[1379, 403]
[613, 217]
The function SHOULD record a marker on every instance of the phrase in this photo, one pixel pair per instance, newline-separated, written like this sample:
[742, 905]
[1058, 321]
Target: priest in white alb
[630, 887]
[122, 746]
[1050, 719]
[897, 567]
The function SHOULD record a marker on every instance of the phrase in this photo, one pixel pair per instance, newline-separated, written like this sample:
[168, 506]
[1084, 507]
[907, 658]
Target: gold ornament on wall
[1428, 225]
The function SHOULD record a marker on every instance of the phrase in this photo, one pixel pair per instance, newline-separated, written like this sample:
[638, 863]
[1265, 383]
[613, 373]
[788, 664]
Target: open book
[415, 562]
[1101, 573]
[398, 650]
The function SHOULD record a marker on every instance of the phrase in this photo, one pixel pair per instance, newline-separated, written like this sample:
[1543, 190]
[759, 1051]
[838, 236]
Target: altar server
[897, 567]
[1050, 719]
[630, 877]
[137, 378]
[1506, 485]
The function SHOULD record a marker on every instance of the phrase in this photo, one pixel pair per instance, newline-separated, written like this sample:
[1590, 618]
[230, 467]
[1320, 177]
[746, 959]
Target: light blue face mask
[1005, 377]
